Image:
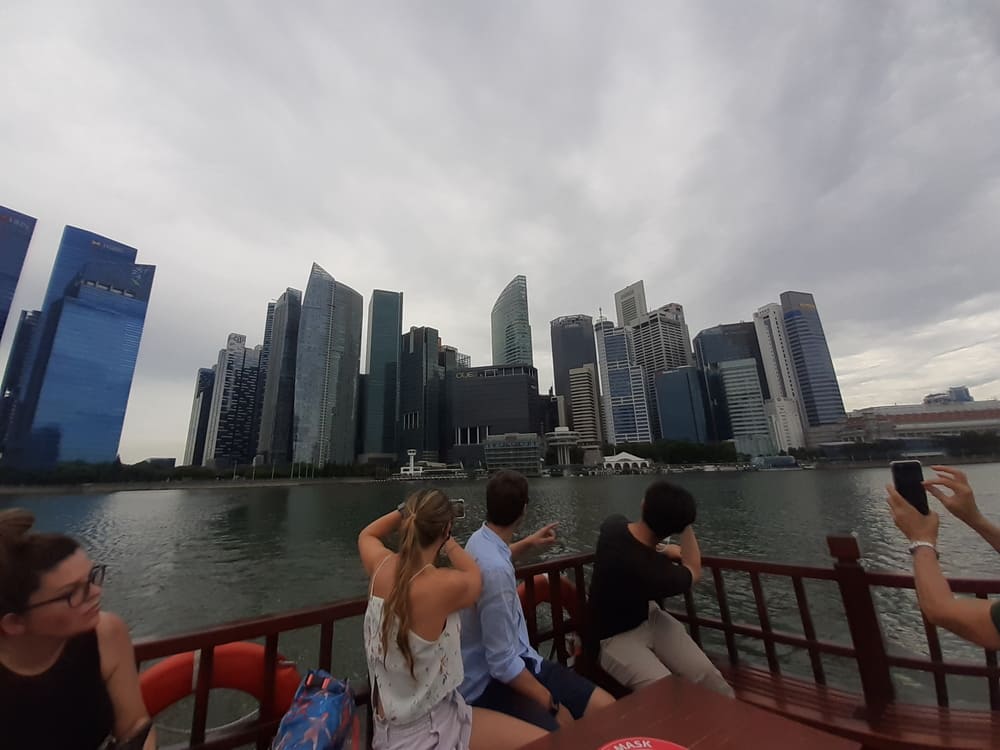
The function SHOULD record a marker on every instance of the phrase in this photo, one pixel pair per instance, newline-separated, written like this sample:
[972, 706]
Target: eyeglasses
[79, 593]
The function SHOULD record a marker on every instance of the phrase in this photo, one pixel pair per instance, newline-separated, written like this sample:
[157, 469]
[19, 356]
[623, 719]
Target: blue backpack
[323, 716]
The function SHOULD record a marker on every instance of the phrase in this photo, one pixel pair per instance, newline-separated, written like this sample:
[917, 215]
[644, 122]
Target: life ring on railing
[543, 593]
[237, 666]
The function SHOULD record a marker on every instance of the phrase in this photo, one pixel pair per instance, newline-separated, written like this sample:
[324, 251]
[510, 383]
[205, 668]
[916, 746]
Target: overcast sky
[721, 151]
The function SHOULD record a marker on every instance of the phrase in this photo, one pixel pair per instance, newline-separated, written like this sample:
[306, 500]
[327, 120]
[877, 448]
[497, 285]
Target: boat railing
[867, 649]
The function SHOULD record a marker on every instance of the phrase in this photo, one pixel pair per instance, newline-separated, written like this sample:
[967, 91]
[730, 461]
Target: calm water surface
[182, 559]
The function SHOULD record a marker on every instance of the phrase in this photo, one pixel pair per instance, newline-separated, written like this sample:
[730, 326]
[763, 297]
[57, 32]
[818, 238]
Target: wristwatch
[554, 705]
[917, 545]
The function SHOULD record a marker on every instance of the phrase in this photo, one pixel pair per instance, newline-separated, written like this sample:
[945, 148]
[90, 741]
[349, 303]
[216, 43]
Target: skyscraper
[265, 359]
[274, 444]
[572, 347]
[511, 331]
[749, 424]
[819, 390]
[421, 388]
[201, 410]
[326, 371]
[680, 397]
[630, 304]
[784, 408]
[84, 354]
[725, 343]
[381, 412]
[585, 405]
[15, 376]
[15, 236]
[228, 437]
[661, 342]
[626, 412]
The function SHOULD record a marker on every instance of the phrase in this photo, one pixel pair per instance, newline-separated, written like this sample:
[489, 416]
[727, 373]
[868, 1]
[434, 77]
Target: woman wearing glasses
[67, 671]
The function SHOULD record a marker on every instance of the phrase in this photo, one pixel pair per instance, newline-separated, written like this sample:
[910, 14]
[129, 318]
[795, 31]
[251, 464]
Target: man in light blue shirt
[502, 670]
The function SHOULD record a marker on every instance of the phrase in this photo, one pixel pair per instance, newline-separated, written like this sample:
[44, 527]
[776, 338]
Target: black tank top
[66, 707]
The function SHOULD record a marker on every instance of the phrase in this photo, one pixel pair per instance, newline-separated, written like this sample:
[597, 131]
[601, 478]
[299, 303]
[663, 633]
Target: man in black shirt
[633, 574]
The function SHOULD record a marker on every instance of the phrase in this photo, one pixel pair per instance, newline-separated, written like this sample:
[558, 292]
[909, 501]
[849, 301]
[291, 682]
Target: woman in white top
[412, 635]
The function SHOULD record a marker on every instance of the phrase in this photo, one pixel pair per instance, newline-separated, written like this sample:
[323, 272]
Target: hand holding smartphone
[908, 477]
[458, 508]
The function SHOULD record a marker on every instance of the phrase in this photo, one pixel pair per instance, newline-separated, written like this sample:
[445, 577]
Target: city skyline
[661, 157]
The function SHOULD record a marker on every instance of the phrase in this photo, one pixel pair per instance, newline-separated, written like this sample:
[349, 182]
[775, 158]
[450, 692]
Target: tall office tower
[326, 371]
[819, 391]
[265, 359]
[626, 412]
[277, 414]
[572, 347]
[661, 342]
[747, 417]
[490, 401]
[381, 410]
[234, 397]
[783, 408]
[725, 343]
[421, 387]
[78, 369]
[680, 397]
[630, 304]
[14, 378]
[511, 331]
[201, 410]
[15, 236]
[585, 405]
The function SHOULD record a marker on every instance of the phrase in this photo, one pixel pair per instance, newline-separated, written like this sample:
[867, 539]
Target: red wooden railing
[867, 648]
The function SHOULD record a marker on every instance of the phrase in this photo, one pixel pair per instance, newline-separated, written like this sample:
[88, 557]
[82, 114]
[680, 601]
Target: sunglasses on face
[79, 593]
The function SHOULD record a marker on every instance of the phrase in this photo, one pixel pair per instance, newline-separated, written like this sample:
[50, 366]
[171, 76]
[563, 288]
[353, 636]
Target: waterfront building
[511, 331]
[520, 452]
[586, 405]
[630, 304]
[382, 382]
[229, 435]
[725, 343]
[572, 347]
[79, 363]
[277, 420]
[16, 372]
[819, 391]
[680, 398]
[747, 416]
[661, 341]
[421, 393]
[201, 410]
[785, 406]
[15, 236]
[326, 371]
[626, 414]
[484, 401]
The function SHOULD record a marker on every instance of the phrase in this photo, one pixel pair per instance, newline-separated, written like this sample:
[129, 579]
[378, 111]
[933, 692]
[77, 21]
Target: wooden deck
[873, 717]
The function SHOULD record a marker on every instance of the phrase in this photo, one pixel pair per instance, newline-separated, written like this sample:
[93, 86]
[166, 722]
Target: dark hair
[668, 509]
[25, 556]
[506, 496]
[429, 514]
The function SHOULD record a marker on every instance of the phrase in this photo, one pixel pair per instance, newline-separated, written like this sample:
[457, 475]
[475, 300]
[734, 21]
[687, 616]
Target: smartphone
[458, 506]
[908, 476]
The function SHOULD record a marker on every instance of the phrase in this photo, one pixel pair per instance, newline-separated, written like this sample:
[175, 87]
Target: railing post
[862, 619]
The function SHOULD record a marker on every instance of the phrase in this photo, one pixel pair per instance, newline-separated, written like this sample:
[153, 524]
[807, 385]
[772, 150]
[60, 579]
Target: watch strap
[917, 545]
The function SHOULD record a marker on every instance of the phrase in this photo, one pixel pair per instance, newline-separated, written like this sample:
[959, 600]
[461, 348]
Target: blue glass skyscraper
[819, 390]
[626, 415]
[77, 372]
[15, 236]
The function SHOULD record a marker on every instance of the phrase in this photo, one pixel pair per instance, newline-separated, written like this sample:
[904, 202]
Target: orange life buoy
[543, 593]
[237, 666]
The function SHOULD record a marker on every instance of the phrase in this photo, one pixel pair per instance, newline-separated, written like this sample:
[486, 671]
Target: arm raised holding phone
[976, 620]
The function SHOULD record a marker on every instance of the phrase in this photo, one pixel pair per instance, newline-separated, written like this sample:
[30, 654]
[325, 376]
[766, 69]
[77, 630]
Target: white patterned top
[437, 666]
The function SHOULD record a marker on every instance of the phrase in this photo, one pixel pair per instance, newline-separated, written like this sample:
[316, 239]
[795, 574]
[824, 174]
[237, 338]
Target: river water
[182, 559]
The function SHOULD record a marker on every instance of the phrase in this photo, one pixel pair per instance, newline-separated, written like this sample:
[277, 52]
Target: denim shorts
[569, 688]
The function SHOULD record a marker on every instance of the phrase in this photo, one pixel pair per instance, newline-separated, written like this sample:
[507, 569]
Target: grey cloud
[722, 151]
